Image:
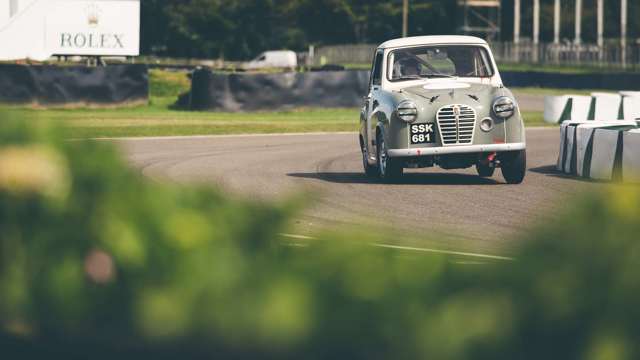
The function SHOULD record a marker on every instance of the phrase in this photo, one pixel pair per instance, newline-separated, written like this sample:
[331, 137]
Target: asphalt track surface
[449, 209]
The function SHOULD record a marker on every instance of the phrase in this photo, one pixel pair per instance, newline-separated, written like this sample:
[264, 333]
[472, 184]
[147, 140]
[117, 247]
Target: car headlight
[407, 111]
[504, 107]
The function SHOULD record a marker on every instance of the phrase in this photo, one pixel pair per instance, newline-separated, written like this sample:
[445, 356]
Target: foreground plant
[97, 261]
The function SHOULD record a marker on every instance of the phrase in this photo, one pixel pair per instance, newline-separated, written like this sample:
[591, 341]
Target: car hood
[455, 91]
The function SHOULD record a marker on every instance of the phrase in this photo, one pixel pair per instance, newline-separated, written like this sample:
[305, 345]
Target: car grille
[456, 124]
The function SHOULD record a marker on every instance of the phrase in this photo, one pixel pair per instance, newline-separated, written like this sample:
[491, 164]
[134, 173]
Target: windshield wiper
[409, 77]
[441, 75]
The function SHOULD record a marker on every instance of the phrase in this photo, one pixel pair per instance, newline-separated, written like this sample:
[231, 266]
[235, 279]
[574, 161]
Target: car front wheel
[484, 170]
[389, 169]
[514, 166]
[369, 170]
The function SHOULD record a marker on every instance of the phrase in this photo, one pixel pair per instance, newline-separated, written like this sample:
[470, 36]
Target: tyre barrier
[250, 92]
[600, 150]
[599, 106]
[48, 85]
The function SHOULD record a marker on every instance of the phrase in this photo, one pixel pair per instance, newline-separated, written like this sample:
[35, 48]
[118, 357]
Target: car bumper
[461, 149]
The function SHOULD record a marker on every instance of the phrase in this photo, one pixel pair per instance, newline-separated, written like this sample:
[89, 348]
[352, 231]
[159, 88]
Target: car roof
[432, 39]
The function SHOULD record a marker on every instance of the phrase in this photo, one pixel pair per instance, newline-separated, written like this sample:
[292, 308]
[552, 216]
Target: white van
[273, 59]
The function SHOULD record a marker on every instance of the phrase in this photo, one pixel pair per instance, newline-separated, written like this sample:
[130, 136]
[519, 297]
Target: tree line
[240, 29]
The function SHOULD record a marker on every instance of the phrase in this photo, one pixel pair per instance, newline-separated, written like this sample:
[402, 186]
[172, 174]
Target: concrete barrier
[569, 166]
[584, 141]
[563, 147]
[578, 148]
[630, 105]
[606, 147]
[567, 144]
[606, 106]
[631, 156]
[558, 109]
[584, 148]
[555, 107]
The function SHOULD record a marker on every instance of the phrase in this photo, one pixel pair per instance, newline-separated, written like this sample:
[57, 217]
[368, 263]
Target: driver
[409, 66]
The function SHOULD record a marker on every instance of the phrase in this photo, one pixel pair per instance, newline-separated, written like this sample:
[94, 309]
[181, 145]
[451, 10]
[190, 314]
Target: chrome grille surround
[456, 124]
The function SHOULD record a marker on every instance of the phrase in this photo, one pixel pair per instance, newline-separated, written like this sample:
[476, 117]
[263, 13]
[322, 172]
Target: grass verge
[157, 119]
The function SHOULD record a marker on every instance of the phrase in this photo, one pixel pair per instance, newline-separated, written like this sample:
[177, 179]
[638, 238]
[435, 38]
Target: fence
[610, 55]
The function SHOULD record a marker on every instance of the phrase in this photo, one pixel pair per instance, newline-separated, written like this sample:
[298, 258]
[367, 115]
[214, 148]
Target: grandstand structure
[481, 18]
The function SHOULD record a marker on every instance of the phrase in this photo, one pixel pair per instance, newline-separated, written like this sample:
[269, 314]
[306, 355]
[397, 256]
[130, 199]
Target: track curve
[454, 208]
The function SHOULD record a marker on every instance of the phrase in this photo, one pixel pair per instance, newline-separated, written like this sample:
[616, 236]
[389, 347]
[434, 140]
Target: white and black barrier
[600, 150]
[631, 105]
[558, 109]
[631, 156]
[597, 107]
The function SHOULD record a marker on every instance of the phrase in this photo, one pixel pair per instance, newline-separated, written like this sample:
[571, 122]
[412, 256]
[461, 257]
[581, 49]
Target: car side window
[376, 73]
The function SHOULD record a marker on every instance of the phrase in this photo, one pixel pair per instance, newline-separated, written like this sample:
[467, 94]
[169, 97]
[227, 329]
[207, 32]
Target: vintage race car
[439, 100]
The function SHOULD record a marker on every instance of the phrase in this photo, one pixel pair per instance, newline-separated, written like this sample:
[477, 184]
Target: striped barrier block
[570, 150]
[577, 139]
[631, 105]
[631, 156]
[584, 148]
[567, 144]
[558, 109]
[605, 106]
[585, 138]
[606, 150]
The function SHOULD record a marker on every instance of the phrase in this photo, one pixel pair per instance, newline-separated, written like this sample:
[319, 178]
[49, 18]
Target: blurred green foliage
[96, 261]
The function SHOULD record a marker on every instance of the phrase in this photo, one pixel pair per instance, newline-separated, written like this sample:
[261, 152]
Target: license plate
[422, 134]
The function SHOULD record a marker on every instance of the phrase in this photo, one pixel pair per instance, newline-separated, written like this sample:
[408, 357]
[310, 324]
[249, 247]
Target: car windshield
[439, 61]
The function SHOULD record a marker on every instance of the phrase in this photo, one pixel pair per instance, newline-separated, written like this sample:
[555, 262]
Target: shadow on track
[551, 170]
[407, 179]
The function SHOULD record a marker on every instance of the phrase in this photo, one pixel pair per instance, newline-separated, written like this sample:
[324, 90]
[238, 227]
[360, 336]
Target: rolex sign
[107, 27]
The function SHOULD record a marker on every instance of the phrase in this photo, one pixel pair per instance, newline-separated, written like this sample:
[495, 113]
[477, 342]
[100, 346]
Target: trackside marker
[445, 252]
[408, 248]
[299, 237]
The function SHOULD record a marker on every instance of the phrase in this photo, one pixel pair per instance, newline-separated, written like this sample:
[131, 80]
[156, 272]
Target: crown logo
[93, 15]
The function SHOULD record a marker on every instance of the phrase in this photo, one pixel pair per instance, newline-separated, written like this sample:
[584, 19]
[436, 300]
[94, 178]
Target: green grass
[563, 69]
[551, 92]
[157, 119]
[534, 119]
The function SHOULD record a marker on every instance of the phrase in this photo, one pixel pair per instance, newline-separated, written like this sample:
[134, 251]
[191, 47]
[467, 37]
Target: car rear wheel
[369, 170]
[484, 170]
[389, 169]
[514, 166]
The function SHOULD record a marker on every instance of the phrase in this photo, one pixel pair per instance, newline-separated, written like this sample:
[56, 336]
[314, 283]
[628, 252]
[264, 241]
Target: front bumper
[460, 149]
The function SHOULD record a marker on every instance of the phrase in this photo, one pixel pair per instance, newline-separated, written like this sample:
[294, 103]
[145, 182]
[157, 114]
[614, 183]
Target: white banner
[39, 29]
[94, 28]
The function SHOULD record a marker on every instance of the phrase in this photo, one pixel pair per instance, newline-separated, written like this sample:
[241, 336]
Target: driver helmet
[409, 66]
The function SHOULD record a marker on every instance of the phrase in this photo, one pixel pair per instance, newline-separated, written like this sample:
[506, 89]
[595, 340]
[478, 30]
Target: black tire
[369, 170]
[514, 166]
[389, 169]
[485, 171]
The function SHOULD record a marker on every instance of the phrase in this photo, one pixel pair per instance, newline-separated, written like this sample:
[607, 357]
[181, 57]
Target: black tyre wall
[69, 85]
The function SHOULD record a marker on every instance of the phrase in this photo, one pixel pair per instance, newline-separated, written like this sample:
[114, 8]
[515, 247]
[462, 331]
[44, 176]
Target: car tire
[389, 169]
[514, 166]
[485, 171]
[369, 170]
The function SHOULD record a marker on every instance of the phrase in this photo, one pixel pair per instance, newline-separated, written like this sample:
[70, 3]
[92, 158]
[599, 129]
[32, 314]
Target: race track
[454, 209]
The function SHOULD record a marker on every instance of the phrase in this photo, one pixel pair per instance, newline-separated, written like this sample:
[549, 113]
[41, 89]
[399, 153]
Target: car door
[371, 101]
